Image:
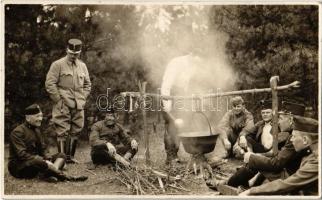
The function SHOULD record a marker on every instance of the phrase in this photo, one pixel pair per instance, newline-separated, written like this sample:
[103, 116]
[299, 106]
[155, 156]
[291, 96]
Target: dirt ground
[101, 181]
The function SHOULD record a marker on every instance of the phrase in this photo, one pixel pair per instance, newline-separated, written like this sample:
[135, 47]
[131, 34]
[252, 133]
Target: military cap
[305, 124]
[32, 109]
[74, 46]
[292, 108]
[236, 100]
[265, 104]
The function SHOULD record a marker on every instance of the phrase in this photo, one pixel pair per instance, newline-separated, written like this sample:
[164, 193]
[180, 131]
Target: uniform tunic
[233, 126]
[261, 139]
[28, 152]
[68, 85]
[305, 179]
[287, 161]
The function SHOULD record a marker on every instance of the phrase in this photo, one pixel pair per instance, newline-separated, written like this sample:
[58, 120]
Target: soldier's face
[72, 56]
[35, 120]
[267, 115]
[285, 122]
[299, 140]
[238, 108]
[109, 119]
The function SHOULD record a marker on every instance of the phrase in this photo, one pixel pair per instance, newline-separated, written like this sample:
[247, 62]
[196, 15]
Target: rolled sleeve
[249, 125]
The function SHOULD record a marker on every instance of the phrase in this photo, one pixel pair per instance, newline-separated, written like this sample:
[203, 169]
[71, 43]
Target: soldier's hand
[245, 193]
[227, 144]
[247, 156]
[134, 144]
[243, 142]
[111, 149]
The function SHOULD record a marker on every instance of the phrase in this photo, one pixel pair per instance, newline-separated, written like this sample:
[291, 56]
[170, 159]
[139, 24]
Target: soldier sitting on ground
[108, 139]
[28, 153]
[260, 139]
[234, 126]
[305, 179]
[259, 167]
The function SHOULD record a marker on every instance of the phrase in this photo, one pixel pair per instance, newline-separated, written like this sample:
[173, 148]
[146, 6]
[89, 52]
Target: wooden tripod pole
[273, 84]
[142, 88]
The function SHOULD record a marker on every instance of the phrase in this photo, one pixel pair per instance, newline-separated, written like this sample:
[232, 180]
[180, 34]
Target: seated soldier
[28, 155]
[304, 139]
[260, 140]
[269, 167]
[108, 139]
[234, 126]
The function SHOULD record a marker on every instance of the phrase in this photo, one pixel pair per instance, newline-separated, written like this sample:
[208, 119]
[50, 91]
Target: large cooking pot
[199, 142]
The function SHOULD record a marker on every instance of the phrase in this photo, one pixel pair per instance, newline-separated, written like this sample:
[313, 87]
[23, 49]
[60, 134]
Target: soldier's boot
[52, 171]
[61, 145]
[72, 150]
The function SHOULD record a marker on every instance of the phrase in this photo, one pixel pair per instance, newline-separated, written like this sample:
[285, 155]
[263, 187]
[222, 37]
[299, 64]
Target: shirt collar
[70, 63]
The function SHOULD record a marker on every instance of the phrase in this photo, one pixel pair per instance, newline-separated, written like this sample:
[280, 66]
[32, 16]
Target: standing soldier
[68, 85]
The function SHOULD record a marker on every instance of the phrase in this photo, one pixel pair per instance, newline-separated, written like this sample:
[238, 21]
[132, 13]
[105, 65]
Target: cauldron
[199, 142]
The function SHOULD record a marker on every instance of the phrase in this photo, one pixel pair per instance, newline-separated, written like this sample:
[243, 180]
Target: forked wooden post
[273, 84]
[142, 88]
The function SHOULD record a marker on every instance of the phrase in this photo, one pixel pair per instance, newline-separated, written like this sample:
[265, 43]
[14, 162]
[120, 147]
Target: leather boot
[61, 145]
[53, 171]
[72, 150]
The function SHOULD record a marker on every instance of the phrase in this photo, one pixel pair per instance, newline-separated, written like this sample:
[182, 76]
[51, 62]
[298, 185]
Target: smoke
[152, 36]
[173, 31]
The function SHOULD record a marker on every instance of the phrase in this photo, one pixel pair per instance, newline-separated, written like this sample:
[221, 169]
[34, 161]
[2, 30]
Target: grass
[101, 181]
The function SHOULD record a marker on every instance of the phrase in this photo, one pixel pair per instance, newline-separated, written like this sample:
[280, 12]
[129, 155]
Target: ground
[102, 180]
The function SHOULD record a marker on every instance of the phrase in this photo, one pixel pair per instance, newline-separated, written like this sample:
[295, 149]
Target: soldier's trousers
[171, 139]
[67, 120]
[243, 175]
[256, 145]
[100, 155]
[30, 168]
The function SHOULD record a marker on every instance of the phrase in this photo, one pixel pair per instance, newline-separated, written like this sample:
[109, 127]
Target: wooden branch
[273, 84]
[295, 84]
[142, 88]
[121, 160]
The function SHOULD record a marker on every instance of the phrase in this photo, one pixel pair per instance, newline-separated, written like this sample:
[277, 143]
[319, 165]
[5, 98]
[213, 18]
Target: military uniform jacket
[26, 143]
[101, 134]
[305, 179]
[242, 123]
[257, 130]
[286, 158]
[69, 82]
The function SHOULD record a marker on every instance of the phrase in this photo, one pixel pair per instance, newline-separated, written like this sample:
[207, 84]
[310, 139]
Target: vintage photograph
[161, 100]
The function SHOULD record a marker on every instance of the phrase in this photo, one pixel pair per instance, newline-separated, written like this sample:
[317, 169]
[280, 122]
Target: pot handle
[203, 114]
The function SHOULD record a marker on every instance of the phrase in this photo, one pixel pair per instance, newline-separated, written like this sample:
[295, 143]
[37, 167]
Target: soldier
[68, 85]
[286, 161]
[305, 179]
[109, 138]
[28, 154]
[234, 126]
[260, 140]
[176, 83]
